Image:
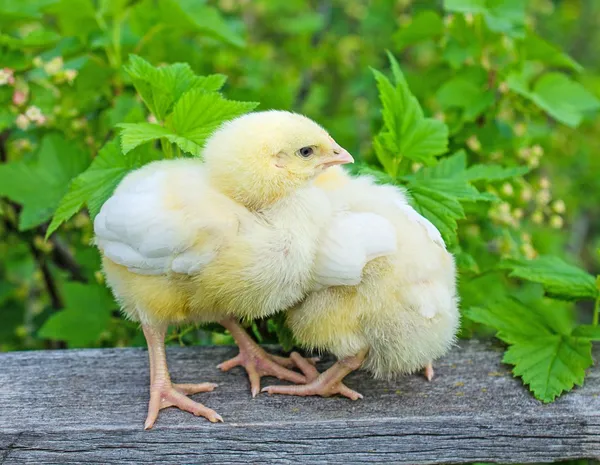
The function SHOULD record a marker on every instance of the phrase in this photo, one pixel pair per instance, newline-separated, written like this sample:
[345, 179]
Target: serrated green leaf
[86, 315]
[551, 364]
[537, 48]
[425, 25]
[543, 353]
[506, 16]
[590, 332]
[448, 177]
[195, 15]
[161, 88]
[135, 134]
[453, 167]
[197, 114]
[494, 172]
[39, 186]
[561, 97]
[11, 10]
[441, 209]
[560, 280]
[466, 94]
[95, 185]
[514, 321]
[407, 133]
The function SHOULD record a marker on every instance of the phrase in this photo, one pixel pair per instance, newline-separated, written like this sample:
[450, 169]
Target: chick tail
[410, 342]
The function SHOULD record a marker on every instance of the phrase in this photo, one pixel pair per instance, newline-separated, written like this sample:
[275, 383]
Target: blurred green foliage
[486, 111]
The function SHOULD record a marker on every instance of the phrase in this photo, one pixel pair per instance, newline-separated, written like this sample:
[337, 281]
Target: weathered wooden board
[88, 406]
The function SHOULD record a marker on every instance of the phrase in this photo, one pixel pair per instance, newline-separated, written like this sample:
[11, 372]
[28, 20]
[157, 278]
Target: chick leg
[256, 361]
[325, 384]
[429, 372]
[165, 394]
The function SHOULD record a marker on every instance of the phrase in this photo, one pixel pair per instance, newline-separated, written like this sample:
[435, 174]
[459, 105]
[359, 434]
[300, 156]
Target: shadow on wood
[89, 406]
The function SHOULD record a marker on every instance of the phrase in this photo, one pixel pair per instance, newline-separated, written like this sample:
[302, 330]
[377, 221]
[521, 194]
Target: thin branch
[55, 298]
[62, 257]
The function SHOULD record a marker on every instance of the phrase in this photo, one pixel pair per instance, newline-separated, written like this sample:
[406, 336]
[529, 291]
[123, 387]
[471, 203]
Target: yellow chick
[232, 237]
[400, 317]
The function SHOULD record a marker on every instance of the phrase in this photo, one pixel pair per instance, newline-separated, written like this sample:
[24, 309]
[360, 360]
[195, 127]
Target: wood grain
[88, 406]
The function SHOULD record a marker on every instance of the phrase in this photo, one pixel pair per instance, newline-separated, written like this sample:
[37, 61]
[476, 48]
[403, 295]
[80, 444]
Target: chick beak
[340, 156]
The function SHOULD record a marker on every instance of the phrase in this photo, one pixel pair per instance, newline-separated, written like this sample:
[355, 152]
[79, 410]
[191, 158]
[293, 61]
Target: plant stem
[596, 316]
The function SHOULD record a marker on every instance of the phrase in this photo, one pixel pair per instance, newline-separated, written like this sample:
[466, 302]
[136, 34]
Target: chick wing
[348, 244]
[150, 227]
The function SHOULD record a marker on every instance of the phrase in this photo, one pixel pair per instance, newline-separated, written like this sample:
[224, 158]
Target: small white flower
[559, 206]
[4, 77]
[524, 153]
[537, 217]
[22, 122]
[543, 197]
[474, 144]
[70, 75]
[556, 221]
[528, 251]
[54, 66]
[507, 189]
[537, 150]
[526, 194]
[34, 113]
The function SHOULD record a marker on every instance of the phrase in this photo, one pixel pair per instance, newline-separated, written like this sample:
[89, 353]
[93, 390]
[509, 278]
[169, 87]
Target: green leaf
[161, 88]
[551, 364]
[39, 186]
[472, 98]
[441, 209]
[95, 185]
[196, 16]
[425, 25]
[505, 16]
[538, 49]
[449, 177]
[86, 315]
[135, 134]
[494, 172]
[76, 18]
[513, 321]
[195, 116]
[590, 332]
[561, 97]
[548, 361]
[12, 10]
[407, 133]
[438, 191]
[560, 280]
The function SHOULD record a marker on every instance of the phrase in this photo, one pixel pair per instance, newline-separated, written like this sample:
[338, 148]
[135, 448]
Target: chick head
[261, 157]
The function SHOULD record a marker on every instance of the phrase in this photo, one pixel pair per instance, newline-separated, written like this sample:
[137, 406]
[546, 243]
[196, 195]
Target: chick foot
[428, 372]
[175, 395]
[163, 393]
[256, 361]
[325, 384]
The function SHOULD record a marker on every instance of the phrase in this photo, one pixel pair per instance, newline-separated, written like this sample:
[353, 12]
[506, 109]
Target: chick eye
[306, 152]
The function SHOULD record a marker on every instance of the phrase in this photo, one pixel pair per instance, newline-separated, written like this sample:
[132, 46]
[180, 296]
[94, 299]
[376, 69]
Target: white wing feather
[431, 230]
[351, 241]
[135, 229]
